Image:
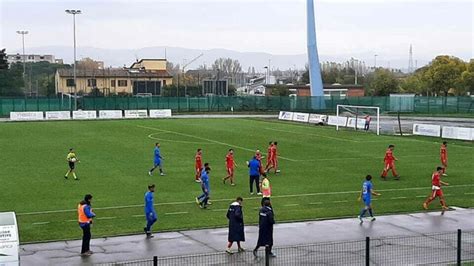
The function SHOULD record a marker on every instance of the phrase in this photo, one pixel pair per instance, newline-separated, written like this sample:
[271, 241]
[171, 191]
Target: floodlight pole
[23, 32]
[74, 13]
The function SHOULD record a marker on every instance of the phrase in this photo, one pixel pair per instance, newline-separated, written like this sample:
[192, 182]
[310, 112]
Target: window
[164, 82]
[31, 57]
[112, 83]
[122, 83]
[41, 57]
[70, 82]
[91, 83]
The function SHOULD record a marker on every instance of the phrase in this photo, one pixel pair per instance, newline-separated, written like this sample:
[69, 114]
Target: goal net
[358, 117]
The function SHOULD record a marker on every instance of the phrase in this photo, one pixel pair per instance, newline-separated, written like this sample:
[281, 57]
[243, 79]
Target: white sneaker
[445, 174]
[162, 174]
[259, 193]
[360, 219]
[150, 173]
[228, 251]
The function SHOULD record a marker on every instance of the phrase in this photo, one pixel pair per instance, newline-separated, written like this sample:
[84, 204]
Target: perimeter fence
[452, 248]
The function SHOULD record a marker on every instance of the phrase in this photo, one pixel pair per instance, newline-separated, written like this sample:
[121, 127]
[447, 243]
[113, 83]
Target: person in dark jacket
[236, 225]
[85, 215]
[265, 226]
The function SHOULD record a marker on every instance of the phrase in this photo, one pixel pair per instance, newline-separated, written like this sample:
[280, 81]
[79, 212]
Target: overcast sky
[273, 26]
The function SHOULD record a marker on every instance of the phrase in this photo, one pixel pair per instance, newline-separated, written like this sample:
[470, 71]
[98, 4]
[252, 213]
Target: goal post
[356, 116]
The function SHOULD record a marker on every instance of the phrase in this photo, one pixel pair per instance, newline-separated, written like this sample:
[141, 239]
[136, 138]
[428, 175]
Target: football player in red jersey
[198, 165]
[444, 156]
[230, 165]
[436, 189]
[389, 163]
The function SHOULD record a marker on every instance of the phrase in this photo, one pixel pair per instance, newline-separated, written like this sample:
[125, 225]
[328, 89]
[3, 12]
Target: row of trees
[445, 75]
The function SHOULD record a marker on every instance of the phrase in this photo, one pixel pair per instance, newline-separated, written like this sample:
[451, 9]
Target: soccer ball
[73, 160]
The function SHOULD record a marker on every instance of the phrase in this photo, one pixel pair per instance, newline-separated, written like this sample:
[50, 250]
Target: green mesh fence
[420, 105]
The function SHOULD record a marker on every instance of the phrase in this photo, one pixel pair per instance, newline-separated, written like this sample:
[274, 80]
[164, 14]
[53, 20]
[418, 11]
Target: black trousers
[256, 179]
[86, 238]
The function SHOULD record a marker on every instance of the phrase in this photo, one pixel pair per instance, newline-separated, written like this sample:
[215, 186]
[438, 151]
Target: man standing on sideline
[203, 199]
[266, 189]
[72, 160]
[444, 156]
[389, 163]
[265, 228]
[236, 225]
[85, 215]
[157, 161]
[254, 174]
[366, 195]
[436, 190]
[367, 122]
[198, 165]
[150, 213]
[230, 165]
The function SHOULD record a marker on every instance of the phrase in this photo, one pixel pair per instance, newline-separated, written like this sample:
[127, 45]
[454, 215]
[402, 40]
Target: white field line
[213, 141]
[138, 215]
[398, 198]
[315, 203]
[151, 136]
[219, 210]
[105, 218]
[311, 134]
[250, 198]
[41, 223]
[175, 213]
[291, 205]
[469, 193]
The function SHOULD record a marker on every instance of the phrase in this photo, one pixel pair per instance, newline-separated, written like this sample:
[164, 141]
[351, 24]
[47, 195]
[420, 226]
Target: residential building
[147, 76]
[30, 58]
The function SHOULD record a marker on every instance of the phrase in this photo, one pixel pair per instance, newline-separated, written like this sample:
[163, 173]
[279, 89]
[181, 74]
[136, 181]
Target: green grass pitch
[321, 173]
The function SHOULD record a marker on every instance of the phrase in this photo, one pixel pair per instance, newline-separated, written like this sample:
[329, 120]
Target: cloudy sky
[386, 28]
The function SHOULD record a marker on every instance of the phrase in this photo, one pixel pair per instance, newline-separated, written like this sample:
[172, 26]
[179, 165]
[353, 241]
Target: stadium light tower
[23, 32]
[74, 13]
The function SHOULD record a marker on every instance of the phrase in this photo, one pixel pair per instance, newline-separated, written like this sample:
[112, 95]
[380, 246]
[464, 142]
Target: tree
[228, 67]
[3, 59]
[88, 64]
[11, 80]
[467, 77]
[445, 73]
[381, 83]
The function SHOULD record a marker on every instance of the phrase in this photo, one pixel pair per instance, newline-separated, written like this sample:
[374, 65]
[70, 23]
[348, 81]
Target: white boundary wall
[301, 117]
[110, 114]
[9, 239]
[288, 116]
[136, 113]
[427, 130]
[461, 133]
[26, 116]
[163, 113]
[58, 115]
[84, 115]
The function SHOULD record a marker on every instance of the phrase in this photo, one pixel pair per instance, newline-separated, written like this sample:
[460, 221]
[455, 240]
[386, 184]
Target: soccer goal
[358, 117]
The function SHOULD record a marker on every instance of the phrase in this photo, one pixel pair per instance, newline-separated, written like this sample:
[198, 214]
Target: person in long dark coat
[265, 226]
[236, 225]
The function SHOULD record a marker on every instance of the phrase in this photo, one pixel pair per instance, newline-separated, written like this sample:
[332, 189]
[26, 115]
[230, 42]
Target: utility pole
[375, 61]
[23, 32]
[74, 13]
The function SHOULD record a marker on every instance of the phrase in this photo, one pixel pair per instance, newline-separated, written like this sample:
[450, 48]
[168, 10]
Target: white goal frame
[359, 107]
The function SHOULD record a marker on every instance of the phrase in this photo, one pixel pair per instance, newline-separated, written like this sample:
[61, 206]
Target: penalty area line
[212, 141]
[251, 198]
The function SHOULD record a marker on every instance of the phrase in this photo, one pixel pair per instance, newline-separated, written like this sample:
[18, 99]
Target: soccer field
[321, 173]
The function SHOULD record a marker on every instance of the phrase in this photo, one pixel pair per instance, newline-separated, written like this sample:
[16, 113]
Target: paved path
[136, 247]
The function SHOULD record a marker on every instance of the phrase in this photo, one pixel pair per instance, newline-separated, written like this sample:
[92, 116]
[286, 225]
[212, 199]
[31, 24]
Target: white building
[32, 58]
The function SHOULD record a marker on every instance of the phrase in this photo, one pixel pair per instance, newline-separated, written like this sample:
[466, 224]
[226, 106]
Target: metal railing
[453, 248]
[425, 105]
